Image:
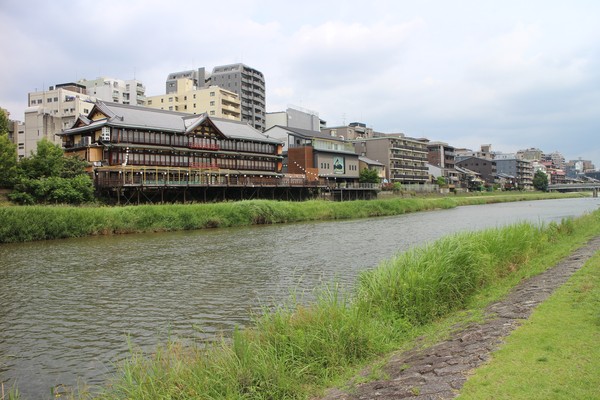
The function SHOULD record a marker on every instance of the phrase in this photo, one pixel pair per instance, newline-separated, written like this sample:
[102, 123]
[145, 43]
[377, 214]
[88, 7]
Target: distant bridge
[575, 187]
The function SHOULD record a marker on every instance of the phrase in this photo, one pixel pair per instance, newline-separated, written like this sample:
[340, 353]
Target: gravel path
[438, 372]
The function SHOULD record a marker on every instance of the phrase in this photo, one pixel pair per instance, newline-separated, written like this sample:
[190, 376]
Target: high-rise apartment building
[249, 84]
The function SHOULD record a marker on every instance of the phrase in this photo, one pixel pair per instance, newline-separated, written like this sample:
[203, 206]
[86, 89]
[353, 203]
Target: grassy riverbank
[28, 223]
[555, 354]
[296, 350]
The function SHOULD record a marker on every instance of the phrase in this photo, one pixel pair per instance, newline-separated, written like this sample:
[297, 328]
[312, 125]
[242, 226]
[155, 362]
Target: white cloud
[469, 72]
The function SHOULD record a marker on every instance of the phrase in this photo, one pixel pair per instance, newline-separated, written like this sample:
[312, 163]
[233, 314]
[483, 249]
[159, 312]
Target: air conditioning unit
[105, 134]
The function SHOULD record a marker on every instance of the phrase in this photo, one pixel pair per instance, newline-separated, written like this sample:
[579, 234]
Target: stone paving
[438, 372]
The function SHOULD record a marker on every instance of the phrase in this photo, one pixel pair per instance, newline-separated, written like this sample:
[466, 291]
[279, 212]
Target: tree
[368, 176]
[46, 162]
[4, 122]
[8, 161]
[441, 181]
[540, 181]
[50, 177]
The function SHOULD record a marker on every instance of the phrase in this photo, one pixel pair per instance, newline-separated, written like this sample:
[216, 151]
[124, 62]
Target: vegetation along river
[68, 307]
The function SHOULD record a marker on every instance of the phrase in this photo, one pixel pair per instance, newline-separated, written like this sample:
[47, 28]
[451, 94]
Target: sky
[513, 74]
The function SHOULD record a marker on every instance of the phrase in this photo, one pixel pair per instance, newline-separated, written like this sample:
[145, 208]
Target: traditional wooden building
[136, 151]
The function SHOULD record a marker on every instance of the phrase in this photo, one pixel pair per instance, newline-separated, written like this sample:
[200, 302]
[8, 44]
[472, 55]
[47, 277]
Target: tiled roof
[129, 116]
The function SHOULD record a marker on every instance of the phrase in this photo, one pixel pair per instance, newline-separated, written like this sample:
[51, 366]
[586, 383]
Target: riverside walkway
[439, 371]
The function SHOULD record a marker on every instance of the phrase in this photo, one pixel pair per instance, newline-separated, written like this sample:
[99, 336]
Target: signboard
[338, 165]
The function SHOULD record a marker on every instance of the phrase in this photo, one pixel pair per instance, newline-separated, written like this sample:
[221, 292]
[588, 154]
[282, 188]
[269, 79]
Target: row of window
[185, 161]
[141, 137]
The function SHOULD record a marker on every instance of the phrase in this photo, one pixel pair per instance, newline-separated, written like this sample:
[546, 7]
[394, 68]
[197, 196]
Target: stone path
[438, 372]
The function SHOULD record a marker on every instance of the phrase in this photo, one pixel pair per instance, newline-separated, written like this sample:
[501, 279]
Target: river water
[68, 308]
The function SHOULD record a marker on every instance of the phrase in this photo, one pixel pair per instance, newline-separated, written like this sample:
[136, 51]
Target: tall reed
[21, 224]
[294, 350]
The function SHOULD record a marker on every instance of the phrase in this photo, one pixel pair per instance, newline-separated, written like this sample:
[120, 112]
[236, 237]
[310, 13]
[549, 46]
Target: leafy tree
[368, 176]
[441, 181]
[50, 177]
[540, 181]
[46, 162]
[4, 122]
[8, 162]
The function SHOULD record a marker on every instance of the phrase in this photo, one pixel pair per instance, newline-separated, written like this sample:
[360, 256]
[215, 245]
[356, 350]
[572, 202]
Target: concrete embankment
[439, 371]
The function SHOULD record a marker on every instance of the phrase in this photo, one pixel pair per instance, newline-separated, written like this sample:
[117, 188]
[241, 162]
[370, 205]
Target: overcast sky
[514, 74]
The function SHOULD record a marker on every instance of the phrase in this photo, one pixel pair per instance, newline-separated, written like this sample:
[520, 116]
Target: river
[68, 308]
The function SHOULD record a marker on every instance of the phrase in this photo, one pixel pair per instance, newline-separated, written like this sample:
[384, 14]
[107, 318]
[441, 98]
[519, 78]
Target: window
[170, 99]
[212, 94]
[162, 100]
[56, 99]
[50, 100]
[149, 102]
[212, 113]
[212, 103]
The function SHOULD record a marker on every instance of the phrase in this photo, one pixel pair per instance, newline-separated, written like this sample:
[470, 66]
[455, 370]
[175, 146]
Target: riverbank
[297, 350]
[30, 223]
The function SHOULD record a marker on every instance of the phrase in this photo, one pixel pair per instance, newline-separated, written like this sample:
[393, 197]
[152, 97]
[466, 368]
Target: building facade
[521, 170]
[353, 131]
[405, 159]
[320, 157]
[140, 147]
[213, 100]
[295, 117]
[485, 167]
[51, 111]
[249, 84]
[116, 90]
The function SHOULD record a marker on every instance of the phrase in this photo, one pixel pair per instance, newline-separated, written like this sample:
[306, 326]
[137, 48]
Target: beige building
[49, 112]
[212, 100]
[404, 158]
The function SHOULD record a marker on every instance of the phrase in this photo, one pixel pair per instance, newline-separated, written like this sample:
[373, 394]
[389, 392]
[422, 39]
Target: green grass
[296, 350]
[555, 354]
[29, 223]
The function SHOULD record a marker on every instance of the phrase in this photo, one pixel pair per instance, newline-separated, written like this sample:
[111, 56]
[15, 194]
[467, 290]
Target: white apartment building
[51, 111]
[116, 90]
